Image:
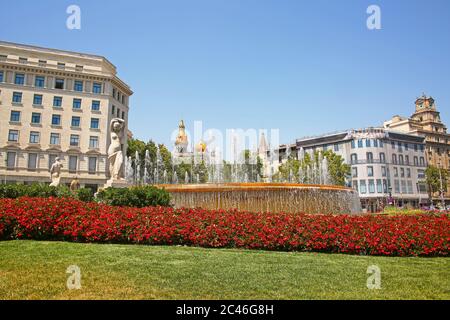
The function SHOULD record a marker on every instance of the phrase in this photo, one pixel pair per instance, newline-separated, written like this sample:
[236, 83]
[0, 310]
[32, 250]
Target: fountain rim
[223, 187]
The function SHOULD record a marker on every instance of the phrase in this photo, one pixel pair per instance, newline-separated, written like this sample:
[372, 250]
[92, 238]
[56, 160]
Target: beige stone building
[57, 103]
[426, 121]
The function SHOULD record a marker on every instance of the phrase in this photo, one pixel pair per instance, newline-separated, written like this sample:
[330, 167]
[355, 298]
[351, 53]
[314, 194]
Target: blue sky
[305, 67]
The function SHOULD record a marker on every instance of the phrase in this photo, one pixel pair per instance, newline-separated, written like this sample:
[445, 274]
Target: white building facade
[56, 103]
[386, 166]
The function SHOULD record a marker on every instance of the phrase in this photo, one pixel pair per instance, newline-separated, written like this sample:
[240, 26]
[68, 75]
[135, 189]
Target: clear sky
[305, 67]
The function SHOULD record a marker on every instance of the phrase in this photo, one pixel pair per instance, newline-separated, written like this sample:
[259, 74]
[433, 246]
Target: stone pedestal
[116, 183]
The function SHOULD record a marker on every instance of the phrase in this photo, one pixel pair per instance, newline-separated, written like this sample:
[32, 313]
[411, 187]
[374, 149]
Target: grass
[36, 270]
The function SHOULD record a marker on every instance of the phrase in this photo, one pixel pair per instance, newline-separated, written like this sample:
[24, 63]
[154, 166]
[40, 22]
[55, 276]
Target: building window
[336, 145]
[354, 172]
[353, 144]
[78, 85]
[113, 109]
[93, 142]
[393, 144]
[76, 103]
[394, 158]
[54, 139]
[421, 174]
[1, 76]
[95, 105]
[56, 120]
[381, 143]
[400, 159]
[13, 135]
[406, 147]
[97, 88]
[408, 173]
[75, 122]
[57, 101]
[61, 65]
[17, 97]
[360, 143]
[37, 99]
[379, 186]
[42, 63]
[355, 185]
[94, 123]
[59, 84]
[382, 157]
[375, 143]
[15, 116]
[383, 171]
[354, 158]
[73, 161]
[362, 187]
[404, 190]
[34, 137]
[397, 186]
[368, 143]
[79, 68]
[118, 113]
[402, 172]
[395, 172]
[422, 161]
[19, 79]
[369, 157]
[11, 160]
[400, 149]
[92, 165]
[416, 161]
[36, 118]
[370, 171]
[32, 161]
[74, 140]
[371, 186]
[23, 60]
[407, 160]
[39, 81]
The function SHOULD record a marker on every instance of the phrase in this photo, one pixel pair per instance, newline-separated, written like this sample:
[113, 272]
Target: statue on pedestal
[74, 185]
[55, 172]
[115, 152]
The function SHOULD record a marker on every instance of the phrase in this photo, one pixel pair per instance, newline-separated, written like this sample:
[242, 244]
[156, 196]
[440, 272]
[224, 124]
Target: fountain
[238, 185]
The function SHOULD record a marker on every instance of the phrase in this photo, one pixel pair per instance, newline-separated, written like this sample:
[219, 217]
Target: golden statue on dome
[181, 142]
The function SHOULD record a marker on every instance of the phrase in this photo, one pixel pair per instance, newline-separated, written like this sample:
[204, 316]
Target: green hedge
[43, 191]
[139, 197]
[144, 196]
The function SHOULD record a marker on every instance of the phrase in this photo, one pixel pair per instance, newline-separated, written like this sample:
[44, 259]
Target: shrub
[139, 197]
[13, 191]
[72, 220]
[85, 194]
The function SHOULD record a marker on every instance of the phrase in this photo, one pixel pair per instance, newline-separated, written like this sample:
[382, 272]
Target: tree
[433, 176]
[338, 171]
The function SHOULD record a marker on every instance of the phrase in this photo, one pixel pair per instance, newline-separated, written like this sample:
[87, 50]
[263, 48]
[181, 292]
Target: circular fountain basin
[266, 197]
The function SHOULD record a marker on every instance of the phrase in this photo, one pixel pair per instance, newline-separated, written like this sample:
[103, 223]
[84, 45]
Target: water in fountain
[137, 168]
[129, 173]
[186, 177]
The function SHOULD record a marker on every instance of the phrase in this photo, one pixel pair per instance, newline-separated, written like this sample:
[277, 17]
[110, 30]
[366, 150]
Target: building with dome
[182, 154]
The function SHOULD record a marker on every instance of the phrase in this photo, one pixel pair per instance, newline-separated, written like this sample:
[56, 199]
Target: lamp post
[418, 191]
[442, 187]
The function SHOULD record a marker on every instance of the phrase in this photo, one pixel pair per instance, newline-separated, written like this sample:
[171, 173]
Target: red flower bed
[72, 220]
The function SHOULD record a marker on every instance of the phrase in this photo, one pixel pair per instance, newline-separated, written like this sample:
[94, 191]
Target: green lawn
[36, 270]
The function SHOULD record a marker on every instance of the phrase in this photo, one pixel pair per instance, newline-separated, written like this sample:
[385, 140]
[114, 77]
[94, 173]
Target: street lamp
[442, 187]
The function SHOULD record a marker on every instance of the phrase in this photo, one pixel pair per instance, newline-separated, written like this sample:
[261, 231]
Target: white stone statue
[55, 172]
[115, 152]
